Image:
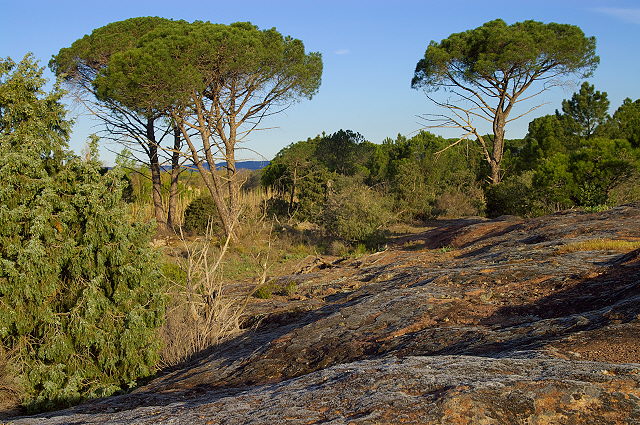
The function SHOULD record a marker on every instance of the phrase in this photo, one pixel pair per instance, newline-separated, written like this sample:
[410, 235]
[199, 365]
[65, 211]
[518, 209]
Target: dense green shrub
[357, 214]
[460, 202]
[80, 298]
[200, 212]
[276, 207]
[427, 179]
[303, 173]
[512, 196]
[414, 195]
[627, 191]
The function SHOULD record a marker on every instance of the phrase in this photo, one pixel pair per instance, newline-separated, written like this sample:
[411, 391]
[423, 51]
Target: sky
[369, 48]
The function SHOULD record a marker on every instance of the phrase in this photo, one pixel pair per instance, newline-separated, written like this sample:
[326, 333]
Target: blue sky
[370, 49]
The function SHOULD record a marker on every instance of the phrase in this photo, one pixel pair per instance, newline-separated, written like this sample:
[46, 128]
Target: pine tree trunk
[156, 178]
[232, 181]
[498, 147]
[175, 174]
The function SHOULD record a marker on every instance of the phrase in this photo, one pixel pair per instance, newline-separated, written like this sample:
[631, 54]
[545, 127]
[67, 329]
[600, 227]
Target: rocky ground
[474, 321]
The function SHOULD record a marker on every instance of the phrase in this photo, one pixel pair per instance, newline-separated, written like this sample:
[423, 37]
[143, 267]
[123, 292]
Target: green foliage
[179, 60]
[413, 194]
[512, 196]
[90, 54]
[298, 177]
[487, 70]
[554, 183]
[512, 51]
[303, 173]
[276, 207]
[425, 184]
[356, 213]
[199, 214]
[135, 121]
[344, 152]
[31, 119]
[598, 166]
[627, 191]
[457, 201]
[625, 123]
[216, 81]
[264, 292]
[419, 183]
[547, 135]
[588, 109]
[80, 298]
[86, 64]
[269, 289]
[573, 159]
[585, 176]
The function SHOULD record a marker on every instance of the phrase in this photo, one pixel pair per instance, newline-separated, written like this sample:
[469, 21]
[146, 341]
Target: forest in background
[580, 157]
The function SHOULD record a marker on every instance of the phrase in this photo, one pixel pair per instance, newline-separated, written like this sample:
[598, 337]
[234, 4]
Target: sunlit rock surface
[473, 321]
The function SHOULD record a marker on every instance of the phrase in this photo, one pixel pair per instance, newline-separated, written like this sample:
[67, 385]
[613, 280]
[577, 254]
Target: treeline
[353, 187]
[578, 157]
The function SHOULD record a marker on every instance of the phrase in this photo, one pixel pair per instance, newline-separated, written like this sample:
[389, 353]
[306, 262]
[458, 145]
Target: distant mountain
[240, 165]
[248, 165]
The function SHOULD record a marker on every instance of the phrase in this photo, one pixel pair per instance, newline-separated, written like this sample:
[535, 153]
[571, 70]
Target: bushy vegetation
[426, 178]
[599, 245]
[80, 296]
[357, 214]
[199, 214]
[353, 188]
[580, 157]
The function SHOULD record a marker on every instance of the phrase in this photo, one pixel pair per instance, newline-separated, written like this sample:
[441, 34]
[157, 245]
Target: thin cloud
[627, 15]
[342, 52]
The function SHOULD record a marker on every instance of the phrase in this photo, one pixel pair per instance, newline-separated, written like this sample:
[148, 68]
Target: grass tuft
[600, 245]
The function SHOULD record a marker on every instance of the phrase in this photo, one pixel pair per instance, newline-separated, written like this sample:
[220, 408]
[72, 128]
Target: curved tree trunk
[175, 174]
[156, 178]
[499, 123]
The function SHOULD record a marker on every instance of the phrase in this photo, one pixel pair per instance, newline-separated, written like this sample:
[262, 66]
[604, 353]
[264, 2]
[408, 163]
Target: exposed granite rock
[413, 390]
[475, 321]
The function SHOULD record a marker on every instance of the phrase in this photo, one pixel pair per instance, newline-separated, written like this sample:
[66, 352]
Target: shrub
[337, 248]
[275, 207]
[80, 294]
[80, 299]
[264, 292]
[414, 194]
[512, 196]
[357, 214]
[200, 212]
[203, 312]
[10, 390]
[454, 202]
[268, 290]
[626, 192]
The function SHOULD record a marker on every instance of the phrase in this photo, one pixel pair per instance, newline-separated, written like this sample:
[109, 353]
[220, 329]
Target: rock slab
[473, 321]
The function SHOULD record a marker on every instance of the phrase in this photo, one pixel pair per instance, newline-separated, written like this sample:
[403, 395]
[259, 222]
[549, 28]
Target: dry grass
[600, 245]
[203, 311]
[190, 188]
[200, 314]
[142, 210]
[212, 281]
